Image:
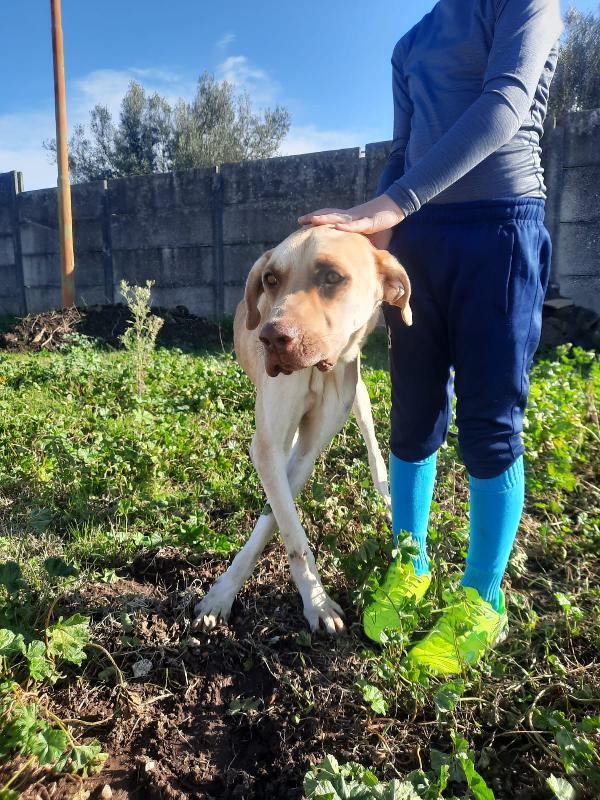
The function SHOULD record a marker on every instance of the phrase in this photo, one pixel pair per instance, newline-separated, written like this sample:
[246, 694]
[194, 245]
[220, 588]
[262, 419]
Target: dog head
[314, 295]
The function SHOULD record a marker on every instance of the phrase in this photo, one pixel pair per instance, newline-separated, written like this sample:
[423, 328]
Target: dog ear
[254, 289]
[395, 282]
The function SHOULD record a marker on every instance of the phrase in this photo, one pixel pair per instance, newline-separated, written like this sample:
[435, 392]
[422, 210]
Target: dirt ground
[239, 713]
[106, 324]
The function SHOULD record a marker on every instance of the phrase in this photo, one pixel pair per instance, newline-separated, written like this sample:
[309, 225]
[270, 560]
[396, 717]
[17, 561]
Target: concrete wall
[196, 233]
[572, 164]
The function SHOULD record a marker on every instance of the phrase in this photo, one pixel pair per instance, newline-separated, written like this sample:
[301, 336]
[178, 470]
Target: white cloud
[102, 87]
[225, 40]
[107, 86]
[26, 128]
[21, 135]
[238, 71]
[34, 163]
[311, 139]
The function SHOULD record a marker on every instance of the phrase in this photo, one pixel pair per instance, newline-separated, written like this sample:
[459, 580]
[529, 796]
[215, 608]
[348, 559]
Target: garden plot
[118, 509]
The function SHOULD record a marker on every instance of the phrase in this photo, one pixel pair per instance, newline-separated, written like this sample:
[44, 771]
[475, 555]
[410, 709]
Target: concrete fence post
[17, 243]
[553, 147]
[107, 254]
[217, 245]
[361, 179]
[11, 185]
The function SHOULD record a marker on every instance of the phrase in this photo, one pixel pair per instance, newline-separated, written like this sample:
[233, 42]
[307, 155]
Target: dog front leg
[318, 606]
[216, 604]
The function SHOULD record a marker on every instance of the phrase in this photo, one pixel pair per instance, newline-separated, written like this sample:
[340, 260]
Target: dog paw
[325, 612]
[215, 607]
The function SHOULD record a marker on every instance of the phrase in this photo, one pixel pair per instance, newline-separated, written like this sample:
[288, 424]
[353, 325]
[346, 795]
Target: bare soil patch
[106, 324]
[243, 711]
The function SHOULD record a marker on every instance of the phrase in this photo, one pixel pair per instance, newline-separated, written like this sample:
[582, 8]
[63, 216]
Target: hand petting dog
[375, 219]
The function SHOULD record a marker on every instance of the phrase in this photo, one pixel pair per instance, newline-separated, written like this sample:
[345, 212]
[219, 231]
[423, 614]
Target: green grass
[92, 474]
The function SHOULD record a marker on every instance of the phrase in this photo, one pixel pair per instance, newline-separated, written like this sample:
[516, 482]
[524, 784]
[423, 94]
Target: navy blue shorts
[479, 272]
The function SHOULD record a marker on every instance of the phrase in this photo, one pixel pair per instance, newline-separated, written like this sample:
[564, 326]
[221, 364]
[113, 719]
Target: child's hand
[376, 215]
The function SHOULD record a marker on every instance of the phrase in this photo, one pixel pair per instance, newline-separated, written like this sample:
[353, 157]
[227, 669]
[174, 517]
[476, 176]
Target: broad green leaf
[551, 720]
[446, 698]
[315, 789]
[50, 744]
[354, 771]
[39, 666]
[11, 643]
[446, 767]
[11, 577]
[475, 782]
[6, 639]
[443, 777]
[68, 638]
[396, 790]
[57, 567]
[589, 724]
[575, 751]
[329, 765]
[373, 696]
[87, 758]
[20, 729]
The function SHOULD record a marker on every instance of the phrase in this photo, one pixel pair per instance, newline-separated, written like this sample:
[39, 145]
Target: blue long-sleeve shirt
[470, 87]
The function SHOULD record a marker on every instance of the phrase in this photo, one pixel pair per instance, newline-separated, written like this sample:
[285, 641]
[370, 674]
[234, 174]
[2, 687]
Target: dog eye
[332, 277]
[270, 279]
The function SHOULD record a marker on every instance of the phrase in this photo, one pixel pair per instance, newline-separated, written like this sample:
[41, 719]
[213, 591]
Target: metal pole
[65, 219]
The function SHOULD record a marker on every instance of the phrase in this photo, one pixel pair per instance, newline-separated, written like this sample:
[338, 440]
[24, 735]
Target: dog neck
[352, 350]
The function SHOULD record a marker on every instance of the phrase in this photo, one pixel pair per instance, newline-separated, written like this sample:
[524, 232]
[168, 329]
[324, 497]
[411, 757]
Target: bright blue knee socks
[496, 507]
[411, 489]
[495, 512]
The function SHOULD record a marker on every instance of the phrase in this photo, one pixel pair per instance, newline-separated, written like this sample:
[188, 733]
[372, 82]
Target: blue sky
[327, 62]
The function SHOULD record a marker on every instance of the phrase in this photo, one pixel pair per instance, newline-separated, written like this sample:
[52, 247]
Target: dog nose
[277, 336]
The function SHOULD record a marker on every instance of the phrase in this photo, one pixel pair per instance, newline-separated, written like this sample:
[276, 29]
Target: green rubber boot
[399, 587]
[468, 629]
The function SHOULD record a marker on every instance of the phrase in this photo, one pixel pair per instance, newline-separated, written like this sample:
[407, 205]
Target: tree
[218, 126]
[576, 84]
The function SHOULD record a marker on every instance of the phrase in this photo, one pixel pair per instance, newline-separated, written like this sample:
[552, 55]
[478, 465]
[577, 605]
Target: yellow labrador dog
[309, 305]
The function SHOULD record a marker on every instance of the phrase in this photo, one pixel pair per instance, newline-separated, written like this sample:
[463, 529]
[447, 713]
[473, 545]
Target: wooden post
[65, 219]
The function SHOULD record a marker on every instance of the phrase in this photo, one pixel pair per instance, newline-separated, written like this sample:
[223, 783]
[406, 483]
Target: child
[461, 205]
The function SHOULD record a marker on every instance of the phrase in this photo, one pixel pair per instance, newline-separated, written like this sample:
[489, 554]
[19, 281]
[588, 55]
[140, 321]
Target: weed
[140, 338]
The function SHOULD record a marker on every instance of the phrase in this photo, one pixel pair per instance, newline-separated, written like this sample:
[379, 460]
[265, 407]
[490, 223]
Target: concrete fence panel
[12, 299]
[572, 164]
